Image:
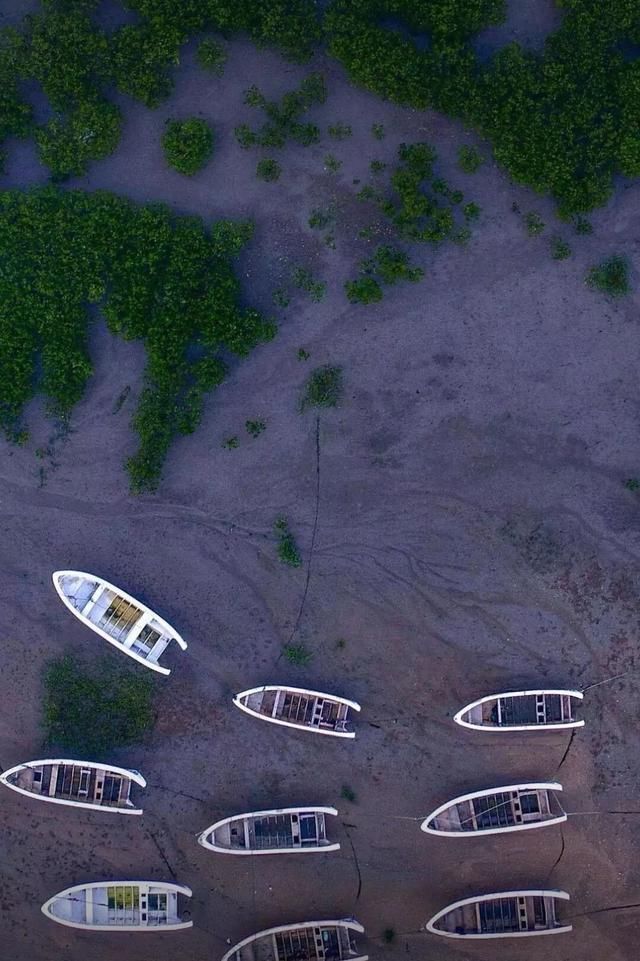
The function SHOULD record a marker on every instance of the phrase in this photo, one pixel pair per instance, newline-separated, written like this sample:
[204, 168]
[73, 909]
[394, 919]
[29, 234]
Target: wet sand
[473, 535]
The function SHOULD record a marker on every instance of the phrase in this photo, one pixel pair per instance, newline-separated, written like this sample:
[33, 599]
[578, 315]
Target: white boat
[544, 710]
[120, 906]
[308, 941]
[299, 708]
[507, 914]
[81, 784]
[126, 623]
[516, 807]
[280, 831]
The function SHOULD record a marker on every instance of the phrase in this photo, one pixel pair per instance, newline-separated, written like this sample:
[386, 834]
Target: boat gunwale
[133, 776]
[152, 665]
[167, 886]
[564, 725]
[476, 899]
[296, 690]
[349, 923]
[529, 785]
[310, 849]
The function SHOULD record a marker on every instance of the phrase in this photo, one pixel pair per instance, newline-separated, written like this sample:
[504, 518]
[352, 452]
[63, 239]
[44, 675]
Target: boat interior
[75, 782]
[308, 710]
[501, 915]
[122, 620]
[291, 830]
[531, 709]
[500, 810]
[122, 904]
[301, 944]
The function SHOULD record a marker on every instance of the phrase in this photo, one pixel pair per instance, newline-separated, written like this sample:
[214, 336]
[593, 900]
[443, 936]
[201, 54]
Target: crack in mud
[564, 756]
[560, 856]
[162, 854]
[355, 861]
[313, 533]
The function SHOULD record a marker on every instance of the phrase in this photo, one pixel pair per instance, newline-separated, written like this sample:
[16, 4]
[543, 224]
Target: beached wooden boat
[121, 906]
[299, 708]
[309, 941]
[507, 914]
[281, 831]
[82, 784]
[126, 623]
[544, 710]
[516, 807]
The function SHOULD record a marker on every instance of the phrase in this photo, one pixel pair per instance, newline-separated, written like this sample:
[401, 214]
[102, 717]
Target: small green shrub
[391, 265]
[582, 226]
[611, 277]
[377, 166]
[534, 224]
[303, 279]
[348, 793]
[632, 484]
[297, 654]
[332, 164]
[471, 211]
[283, 118]
[364, 290]
[268, 170]
[231, 443]
[323, 388]
[281, 298]
[255, 427]
[303, 354]
[188, 144]
[469, 159]
[92, 712]
[287, 548]
[560, 249]
[339, 131]
[319, 219]
[378, 131]
[212, 56]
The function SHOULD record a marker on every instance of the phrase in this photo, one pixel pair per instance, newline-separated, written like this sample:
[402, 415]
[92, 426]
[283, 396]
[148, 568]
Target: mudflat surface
[473, 534]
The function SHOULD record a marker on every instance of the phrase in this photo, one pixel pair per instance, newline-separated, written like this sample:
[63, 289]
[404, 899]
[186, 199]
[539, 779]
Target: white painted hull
[134, 776]
[86, 907]
[348, 924]
[152, 619]
[209, 840]
[341, 702]
[428, 824]
[471, 716]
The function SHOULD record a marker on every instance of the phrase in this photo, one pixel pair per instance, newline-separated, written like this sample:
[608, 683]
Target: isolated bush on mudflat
[283, 117]
[188, 144]
[610, 277]
[364, 290]
[323, 388]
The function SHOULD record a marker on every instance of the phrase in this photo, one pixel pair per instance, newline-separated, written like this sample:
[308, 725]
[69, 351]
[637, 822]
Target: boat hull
[219, 826]
[134, 776]
[428, 828]
[59, 576]
[346, 923]
[480, 706]
[74, 893]
[353, 705]
[484, 936]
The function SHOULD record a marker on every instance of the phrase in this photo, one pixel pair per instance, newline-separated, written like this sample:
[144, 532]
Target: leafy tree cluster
[611, 276]
[187, 144]
[563, 121]
[90, 713]
[166, 281]
[422, 208]
[283, 119]
[388, 266]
